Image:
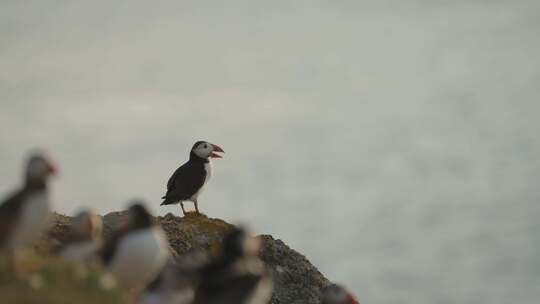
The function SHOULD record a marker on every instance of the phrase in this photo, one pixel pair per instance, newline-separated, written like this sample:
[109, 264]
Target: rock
[296, 280]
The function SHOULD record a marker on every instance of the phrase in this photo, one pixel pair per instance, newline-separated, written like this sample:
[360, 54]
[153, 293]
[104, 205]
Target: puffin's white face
[205, 150]
[39, 168]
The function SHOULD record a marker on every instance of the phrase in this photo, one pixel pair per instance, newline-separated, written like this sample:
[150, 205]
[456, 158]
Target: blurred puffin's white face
[39, 168]
[205, 150]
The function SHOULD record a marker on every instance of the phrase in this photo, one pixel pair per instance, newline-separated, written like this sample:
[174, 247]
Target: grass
[47, 280]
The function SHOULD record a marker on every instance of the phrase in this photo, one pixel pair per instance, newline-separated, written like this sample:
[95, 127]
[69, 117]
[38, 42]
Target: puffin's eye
[205, 146]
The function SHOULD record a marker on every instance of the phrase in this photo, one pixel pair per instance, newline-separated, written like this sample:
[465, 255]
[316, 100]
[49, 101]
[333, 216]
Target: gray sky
[341, 110]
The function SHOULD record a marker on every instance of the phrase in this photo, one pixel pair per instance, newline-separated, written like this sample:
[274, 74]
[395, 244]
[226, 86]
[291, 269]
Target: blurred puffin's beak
[216, 148]
[52, 168]
[352, 299]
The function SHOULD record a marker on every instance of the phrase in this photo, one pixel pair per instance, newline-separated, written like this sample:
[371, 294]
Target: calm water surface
[394, 143]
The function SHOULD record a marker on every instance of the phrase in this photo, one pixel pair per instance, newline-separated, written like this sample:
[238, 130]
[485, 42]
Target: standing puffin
[187, 182]
[176, 282]
[25, 213]
[137, 252]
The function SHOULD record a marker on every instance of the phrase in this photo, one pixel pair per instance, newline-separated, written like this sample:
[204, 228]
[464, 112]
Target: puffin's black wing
[185, 182]
[9, 212]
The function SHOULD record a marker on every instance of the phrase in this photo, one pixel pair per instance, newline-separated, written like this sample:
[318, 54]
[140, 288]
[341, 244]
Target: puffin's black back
[10, 210]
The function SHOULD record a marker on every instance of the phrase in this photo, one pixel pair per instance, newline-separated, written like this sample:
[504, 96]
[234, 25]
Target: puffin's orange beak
[216, 148]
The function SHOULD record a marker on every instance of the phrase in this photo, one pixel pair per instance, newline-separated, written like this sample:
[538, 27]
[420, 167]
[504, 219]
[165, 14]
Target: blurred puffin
[188, 181]
[85, 239]
[337, 294]
[25, 214]
[176, 283]
[137, 252]
[237, 275]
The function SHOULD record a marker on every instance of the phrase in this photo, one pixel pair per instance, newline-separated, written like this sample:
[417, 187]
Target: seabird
[237, 275]
[176, 283]
[137, 252]
[25, 213]
[337, 294]
[85, 239]
[187, 182]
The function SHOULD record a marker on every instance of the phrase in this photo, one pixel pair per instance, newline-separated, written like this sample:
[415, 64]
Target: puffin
[176, 282]
[25, 213]
[85, 238]
[337, 294]
[237, 275]
[137, 251]
[188, 181]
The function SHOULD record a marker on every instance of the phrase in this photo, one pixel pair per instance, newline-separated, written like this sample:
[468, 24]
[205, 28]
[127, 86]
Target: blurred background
[394, 143]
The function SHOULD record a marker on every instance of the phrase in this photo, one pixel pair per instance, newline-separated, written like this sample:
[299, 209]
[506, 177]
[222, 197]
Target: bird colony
[136, 254]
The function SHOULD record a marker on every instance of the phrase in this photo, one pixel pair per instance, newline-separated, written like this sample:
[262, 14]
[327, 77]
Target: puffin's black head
[205, 150]
[337, 294]
[238, 244]
[38, 169]
[138, 216]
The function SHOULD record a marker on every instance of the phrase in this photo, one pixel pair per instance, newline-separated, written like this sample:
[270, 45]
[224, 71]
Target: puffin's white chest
[34, 217]
[208, 169]
[140, 256]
